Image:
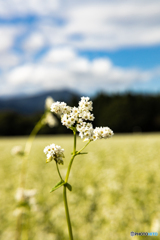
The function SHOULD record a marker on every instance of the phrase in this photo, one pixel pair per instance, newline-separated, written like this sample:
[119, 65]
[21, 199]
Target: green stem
[74, 154]
[67, 213]
[71, 161]
[64, 189]
[32, 135]
[66, 180]
[69, 168]
[19, 231]
[74, 148]
[59, 171]
[18, 227]
[83, 147]
[28, 149]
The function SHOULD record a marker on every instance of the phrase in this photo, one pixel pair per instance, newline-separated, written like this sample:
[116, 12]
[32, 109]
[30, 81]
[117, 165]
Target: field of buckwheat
[116, 189]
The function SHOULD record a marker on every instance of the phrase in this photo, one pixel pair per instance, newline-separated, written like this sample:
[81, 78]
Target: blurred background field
[109, 51]
[115, 188]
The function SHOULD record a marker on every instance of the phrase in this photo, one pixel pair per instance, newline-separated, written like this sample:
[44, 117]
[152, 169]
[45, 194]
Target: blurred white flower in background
[26, 200]
[49, 118]
[17, 150]
[48, 102]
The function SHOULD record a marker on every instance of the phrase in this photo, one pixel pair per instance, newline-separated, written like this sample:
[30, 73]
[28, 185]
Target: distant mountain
[33, 104]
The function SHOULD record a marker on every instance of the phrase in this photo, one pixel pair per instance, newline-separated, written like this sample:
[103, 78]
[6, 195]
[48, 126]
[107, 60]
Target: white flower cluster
[54, 152]
[77, 117]
[60, 108]
[25, 197]
[102, 132]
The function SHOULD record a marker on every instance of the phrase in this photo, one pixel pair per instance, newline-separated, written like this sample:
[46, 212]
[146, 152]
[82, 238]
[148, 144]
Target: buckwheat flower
[80, 121]
[70, 122]
[64, 119]
[107, 132]
[85, 104]
[54, 152]
[17, 150]
[48, 102]
[67, 109]
[81, 134]
[84, 99]
[67, 120]
[94, 138]
[59, 108]
[85, 130]
[87, 133]
[47, 149]
[79, 127]
[98, 132]
[102, 132]
[73, 119]
[74, 116]
[91, 117]
[86, 116]
[75, 110]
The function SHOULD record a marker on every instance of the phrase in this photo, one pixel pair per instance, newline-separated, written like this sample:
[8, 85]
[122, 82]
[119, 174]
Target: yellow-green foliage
[116, 188]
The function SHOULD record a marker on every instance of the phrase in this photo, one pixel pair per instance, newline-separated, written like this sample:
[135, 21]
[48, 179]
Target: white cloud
[59, 55]
[34, 42]
[101, 66]
[21, 75]
[79, 65]
[114, 24]
[86, 77]
[8, 60]
[89, 24]
[102, 24]
[7, 37]
[8, 57]
[97, 24]
[12, 8]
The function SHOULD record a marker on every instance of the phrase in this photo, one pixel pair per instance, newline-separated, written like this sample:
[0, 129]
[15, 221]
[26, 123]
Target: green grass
[116, 188]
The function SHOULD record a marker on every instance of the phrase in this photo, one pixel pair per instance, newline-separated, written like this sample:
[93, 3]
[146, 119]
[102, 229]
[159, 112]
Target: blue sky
[87, 46]
[142, 57]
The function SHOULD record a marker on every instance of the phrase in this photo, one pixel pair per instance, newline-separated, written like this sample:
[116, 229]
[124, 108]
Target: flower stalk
[67, 213]
[24, 197]
[64, 190]
[58, 171]
[78, 120]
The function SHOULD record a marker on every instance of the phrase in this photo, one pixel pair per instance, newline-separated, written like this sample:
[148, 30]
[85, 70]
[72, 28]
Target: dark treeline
[122, 113]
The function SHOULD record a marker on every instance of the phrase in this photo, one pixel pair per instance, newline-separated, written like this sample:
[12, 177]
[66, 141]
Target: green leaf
[58, 185]
[68, 186]
[83, 153]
